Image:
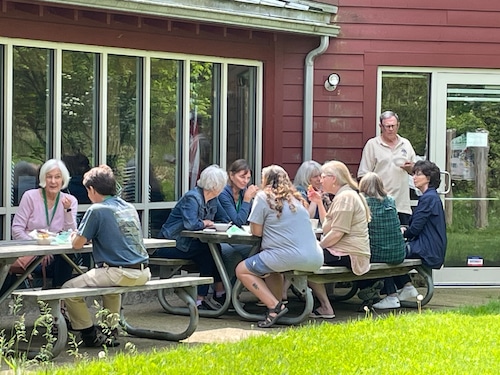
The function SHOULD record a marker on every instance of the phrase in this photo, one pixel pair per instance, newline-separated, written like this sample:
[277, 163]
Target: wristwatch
[68, 209]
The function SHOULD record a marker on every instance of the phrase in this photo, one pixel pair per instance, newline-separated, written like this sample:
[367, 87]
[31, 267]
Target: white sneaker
[408, 293]
[388, 303]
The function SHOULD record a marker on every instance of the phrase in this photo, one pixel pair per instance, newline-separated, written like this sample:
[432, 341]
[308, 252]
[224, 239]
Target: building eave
[287, 16]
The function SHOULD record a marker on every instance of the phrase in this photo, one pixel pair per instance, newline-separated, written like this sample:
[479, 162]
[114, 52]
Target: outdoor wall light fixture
[332, 81]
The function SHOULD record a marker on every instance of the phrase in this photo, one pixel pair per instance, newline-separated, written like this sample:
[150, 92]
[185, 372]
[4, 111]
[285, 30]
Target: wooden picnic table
[212, 239]
[13, 249]
[232, 292]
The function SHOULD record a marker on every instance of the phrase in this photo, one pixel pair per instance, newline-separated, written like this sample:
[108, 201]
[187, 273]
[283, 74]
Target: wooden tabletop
[16, 248]
[221, 237]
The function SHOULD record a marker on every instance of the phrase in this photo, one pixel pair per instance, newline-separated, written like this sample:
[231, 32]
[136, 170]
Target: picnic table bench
[326, 275]
[169, 267]
[335, 274]
[184, 287]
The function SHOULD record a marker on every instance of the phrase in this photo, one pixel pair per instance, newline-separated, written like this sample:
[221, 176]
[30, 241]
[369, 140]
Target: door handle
[447, 182]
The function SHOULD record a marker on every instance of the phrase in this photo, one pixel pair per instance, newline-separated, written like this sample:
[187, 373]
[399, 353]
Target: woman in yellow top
[345, 240]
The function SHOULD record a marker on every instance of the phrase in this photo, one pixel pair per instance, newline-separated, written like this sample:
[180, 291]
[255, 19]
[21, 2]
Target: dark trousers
[404, 219]
[392, 284]
[200, 254]
[334, 260]
[9, 280]
[58, 270]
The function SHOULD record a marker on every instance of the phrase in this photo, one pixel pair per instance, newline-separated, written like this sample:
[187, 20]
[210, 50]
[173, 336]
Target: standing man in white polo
[391, 157]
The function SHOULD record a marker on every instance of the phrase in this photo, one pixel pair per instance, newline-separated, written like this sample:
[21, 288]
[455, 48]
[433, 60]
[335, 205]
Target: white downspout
[308, 97]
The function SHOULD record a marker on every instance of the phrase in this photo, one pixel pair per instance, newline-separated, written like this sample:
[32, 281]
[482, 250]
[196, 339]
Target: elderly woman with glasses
[345, 239]
[196, 210]
[48, 208]
[308, 176]
[425, 236]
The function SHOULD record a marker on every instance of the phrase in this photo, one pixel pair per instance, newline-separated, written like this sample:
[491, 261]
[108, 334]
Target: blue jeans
[200, 254]
[232, 254]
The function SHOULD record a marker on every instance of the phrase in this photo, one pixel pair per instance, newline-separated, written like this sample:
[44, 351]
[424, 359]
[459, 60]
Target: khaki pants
[78, 313]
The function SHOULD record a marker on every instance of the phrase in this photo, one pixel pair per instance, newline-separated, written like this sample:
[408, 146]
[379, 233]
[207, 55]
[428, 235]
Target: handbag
[21, 264]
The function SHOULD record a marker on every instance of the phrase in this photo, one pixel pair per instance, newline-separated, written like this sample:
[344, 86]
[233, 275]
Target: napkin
[234, 230]
[63, 238]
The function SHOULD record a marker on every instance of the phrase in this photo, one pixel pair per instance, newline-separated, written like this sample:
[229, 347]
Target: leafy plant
[17, 359]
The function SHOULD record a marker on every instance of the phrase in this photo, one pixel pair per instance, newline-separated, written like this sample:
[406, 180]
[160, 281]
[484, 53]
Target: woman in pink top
[48, 208]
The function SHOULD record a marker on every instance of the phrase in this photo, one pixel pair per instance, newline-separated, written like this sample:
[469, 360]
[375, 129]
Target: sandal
[317, 315]
[279, 310]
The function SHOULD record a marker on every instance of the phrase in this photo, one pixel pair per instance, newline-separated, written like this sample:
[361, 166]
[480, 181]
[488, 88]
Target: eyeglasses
[326, 175]
[419, 173]
[389, 126]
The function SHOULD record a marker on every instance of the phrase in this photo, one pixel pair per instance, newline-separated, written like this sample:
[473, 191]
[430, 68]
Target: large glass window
[166, 94]
[2, 119]
[124, 123]
[241, 114]
[165, 137]
[79, 116]
[473, 157]
[408, 95]
[32, 116]
[102, 98]
[204, 118]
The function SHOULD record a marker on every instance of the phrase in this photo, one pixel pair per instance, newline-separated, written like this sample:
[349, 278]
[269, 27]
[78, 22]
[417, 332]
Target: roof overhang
[286, 16]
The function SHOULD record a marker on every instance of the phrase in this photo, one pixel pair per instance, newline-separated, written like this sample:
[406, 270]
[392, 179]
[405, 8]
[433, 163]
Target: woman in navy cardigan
[425, 236]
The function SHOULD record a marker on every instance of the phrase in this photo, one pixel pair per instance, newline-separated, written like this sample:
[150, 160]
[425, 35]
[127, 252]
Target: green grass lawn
[464, 341]
[464, 239]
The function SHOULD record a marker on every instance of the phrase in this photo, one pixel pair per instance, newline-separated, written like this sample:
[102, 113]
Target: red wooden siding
[373, 33]
[424, 33]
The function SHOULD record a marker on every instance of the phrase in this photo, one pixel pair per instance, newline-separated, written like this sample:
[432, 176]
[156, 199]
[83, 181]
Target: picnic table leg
[300, 283]
[60, 327]
[426, 274]
[72, 264]
[20, 278]
[347, 295]
[188, 295]
[166, 272]
[4, 270]
[181, 310]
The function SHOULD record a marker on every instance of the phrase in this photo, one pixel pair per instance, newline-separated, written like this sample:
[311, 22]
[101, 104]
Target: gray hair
[53, 164]
[388, 114]
[371, 185]
[213, 178]
[306, 170]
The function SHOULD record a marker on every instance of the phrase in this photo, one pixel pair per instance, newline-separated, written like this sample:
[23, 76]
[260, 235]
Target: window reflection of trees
[241, 114]
[204, 117]
[165, 119]
[123, 125]
[79, 108]
[32, 95]
[34, 127]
